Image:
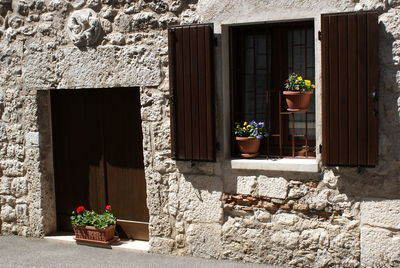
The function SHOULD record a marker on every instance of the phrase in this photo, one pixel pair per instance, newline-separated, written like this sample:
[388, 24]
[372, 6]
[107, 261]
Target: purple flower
[260, 124]
[253, 123]
[259, 137]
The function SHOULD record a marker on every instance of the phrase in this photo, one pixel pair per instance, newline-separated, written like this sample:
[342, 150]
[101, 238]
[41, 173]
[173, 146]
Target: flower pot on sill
[97, 237]
[248, 146]
[297, 101]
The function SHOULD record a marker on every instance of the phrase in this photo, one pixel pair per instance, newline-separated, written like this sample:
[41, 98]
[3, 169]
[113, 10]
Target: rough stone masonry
[341, 217]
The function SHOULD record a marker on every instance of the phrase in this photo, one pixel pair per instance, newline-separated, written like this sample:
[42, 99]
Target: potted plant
[298, 93]
[249, 136]
[93, 228]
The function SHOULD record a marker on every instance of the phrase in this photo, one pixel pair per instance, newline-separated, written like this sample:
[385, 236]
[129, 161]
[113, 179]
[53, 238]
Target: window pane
[301, 60]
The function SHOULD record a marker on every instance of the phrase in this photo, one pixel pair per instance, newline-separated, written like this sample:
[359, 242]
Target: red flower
[80, 209]
[108, 208]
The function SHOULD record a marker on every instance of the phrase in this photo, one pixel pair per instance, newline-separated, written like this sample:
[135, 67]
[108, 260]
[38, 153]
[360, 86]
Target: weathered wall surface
[339, 217]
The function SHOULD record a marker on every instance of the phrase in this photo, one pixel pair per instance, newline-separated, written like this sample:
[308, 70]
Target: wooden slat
[353, 86]
[172, 89]
[180, 95]
[194, 78]
[209, 92]
[202, 92]
[326, 90]
[334, 87]
[187, 88]
[372, 50]
[362, 93]
[343, 92]
[191, 77]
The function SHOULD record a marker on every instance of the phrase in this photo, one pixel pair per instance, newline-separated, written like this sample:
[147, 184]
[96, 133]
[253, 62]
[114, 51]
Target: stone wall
[343, 217]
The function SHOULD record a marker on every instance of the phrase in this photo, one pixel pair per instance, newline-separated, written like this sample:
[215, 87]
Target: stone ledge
[284, 164]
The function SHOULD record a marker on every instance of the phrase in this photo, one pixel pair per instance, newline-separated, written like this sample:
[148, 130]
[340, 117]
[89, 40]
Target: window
[262, 56]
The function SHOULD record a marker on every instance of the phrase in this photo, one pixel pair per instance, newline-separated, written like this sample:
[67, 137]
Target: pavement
[24, 252]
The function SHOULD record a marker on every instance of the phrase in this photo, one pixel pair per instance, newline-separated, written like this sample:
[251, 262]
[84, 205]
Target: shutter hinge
[319, 35]
[320, 148]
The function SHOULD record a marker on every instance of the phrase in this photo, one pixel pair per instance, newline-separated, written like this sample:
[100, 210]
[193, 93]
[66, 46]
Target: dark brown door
[98, 156]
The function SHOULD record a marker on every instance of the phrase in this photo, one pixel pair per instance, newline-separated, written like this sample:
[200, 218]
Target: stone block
[159, 225]
[7, 213]
[262, 216]
[200, 198]
[5, 185]
[272, 187]
[19, 186]
[12, 168]
[32, 138]
[106, 66]
[381, 213]
[205, 240]
[22, 213]
[285, 219]
[161, 245]
[246, 184]
[379, 246]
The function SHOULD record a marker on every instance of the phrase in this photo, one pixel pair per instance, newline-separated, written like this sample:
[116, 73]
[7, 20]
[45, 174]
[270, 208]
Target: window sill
[285, 164]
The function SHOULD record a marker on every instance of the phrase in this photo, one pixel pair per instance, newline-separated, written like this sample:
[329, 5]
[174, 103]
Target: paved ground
[33, 252]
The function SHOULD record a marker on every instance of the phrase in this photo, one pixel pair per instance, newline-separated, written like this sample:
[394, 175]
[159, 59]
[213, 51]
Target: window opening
[262, 56]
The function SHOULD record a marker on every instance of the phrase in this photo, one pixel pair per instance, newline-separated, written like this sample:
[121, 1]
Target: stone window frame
[283, 164]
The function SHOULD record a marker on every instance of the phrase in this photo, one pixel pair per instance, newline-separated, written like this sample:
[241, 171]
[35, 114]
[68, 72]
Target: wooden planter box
[91, 236]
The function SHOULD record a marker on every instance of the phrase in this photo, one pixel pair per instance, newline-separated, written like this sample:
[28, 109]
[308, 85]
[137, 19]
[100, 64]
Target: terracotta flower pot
[91, 233]
[248, 146]
[297, 101]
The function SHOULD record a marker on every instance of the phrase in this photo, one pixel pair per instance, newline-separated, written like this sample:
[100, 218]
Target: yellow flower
[313, 86]
[307, 82]
[297, 88]
[299, 78]
[244, 128]
[245, 123]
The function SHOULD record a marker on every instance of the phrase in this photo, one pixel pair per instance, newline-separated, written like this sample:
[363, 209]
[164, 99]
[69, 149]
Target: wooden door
[98, 156]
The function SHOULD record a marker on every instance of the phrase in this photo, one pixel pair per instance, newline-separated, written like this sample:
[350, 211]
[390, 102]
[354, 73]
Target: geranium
[252, 129]
[82, 217]
[296, 83]
[80, 209]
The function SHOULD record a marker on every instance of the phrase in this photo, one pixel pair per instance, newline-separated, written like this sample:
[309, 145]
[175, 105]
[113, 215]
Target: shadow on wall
[382, 181]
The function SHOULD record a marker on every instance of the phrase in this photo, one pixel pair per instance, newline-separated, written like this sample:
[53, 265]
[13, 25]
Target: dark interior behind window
[262, 56]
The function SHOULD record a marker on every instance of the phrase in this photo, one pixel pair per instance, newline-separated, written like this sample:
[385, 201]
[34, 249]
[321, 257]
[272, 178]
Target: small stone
[262, 216]
[311, 184]
[116, 39]
[278, 201]
[298, 191]
[237, 197]
[329, 179]
[300, 207]
[270, 206]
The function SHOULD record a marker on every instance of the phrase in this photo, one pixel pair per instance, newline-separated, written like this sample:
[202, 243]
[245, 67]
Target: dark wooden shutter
[191, 88]
[349, 89]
